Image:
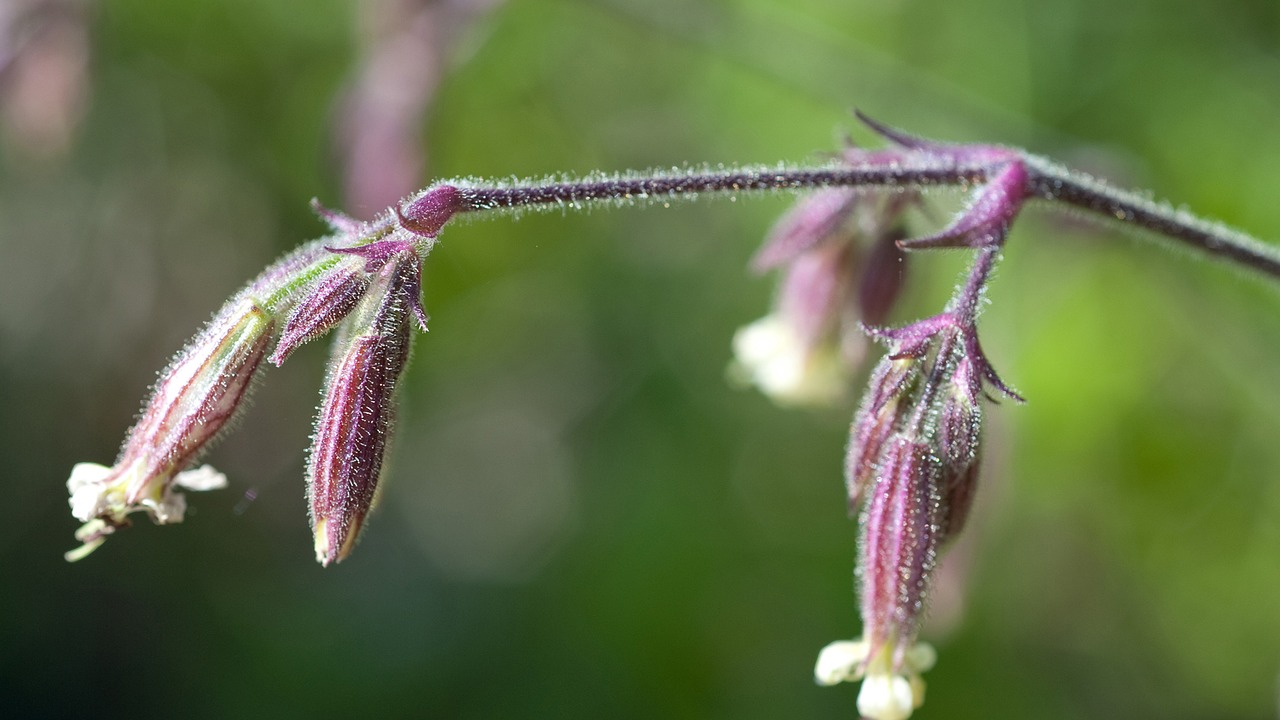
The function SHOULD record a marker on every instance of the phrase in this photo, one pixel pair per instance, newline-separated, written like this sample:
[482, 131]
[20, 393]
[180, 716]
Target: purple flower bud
[887, 400]
[334, 295]
[808, 348]
[195, 397]
[959, 485]
[814, 219]
[960, 416]
[358, 410]
[957, 441]
[899, 543]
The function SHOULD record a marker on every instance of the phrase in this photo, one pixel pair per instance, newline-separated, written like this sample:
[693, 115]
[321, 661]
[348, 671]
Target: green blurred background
[582, 518]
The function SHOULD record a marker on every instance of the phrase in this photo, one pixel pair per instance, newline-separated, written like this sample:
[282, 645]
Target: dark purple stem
[1061, 185]
[733, 180]
[897, 169]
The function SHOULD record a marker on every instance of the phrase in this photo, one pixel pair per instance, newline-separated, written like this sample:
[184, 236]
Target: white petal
[83, 474]
[839, 661]
[200, 479]
[886, 697]
[87, 490]
[770, 355]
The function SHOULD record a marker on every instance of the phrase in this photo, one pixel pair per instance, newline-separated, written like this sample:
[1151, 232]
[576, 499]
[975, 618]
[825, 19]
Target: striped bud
[334, 294]
[358, 410]
[899, 543]
[195, 397]
[888, 398]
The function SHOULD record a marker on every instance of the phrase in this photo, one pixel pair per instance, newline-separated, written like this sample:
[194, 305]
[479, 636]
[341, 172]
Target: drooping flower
[195, 397]
[841, 268]
[358, 410]
[189, 407]
[911, 470]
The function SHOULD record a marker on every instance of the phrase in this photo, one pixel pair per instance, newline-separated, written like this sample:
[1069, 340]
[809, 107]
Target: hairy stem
[901, 169]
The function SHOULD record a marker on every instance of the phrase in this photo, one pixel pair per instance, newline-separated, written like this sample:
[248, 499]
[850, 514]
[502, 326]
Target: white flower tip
[887, 697]
[840, 661]
[83, 474]
[87, 490]
[769, 354]
[201, 479]
[885, 694]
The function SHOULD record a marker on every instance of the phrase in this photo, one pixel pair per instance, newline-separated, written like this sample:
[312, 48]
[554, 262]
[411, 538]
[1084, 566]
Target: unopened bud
[887, 399]
[899, 544]
[960, 416]
[335, 294]
[358, 410]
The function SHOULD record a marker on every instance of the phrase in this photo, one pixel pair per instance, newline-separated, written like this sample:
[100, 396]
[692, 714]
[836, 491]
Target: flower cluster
[913, 454]
[842, 268]
[915, 442]
[362, 280]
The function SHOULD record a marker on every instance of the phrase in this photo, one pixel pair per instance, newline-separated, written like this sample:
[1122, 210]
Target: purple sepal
[915, 340]
[376, 255]
[932, 149]
[959, 485]
[815, 291]
[883, 274]
[987, 219]
[895, 136]
[340, 223]
[332, 297]
[888, 398]
[960, 416]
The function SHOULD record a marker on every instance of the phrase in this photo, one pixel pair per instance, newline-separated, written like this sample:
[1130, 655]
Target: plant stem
[894, 169]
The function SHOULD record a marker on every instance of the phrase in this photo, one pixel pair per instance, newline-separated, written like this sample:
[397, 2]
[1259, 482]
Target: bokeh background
[582, 518]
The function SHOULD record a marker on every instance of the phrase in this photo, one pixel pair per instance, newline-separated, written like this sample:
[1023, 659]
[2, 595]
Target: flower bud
[358, 410]
[898, 553]
[195, 397]
[960, 416]
[334, 294]
[814, 219]
[899, 543]
[808, 348]
[957, 439]
[888, 398]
